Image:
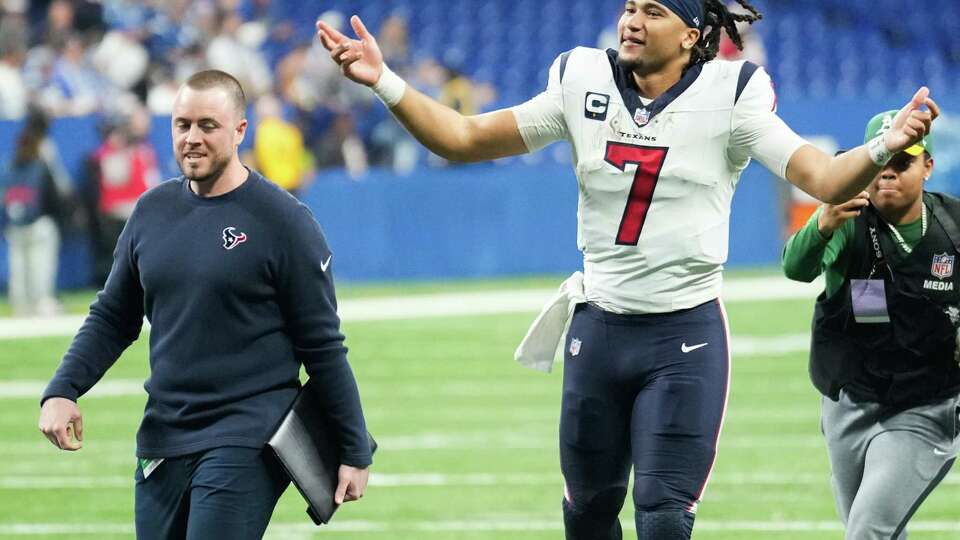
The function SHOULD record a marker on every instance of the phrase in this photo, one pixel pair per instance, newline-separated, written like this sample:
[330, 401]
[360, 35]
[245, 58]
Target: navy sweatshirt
[238, 292]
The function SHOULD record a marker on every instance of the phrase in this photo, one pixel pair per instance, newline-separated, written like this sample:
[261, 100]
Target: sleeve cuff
[58, 392]
[360, 461]
[814, 223]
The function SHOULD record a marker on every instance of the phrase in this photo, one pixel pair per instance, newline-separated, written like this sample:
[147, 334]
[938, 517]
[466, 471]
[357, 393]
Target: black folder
[307, 446]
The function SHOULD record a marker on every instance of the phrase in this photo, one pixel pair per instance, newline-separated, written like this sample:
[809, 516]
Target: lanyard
[923, 230]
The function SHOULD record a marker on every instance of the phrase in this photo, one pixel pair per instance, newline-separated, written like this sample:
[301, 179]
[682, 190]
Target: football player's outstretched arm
[836, 180]
[443, 130]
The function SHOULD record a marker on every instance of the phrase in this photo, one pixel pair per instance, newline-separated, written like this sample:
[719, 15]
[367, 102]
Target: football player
[660, 134]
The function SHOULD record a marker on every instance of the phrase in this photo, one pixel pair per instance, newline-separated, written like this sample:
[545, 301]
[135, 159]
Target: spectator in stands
[308, 81]
[253, 9]
[187, 60]
[289, 76]
[162, 92]
[58, 22]
[16, 7]
[390, 144]
[38, 64]
[129, 15]
[228, 53]
[326, 105]
[430, 75]
[278, 40]
[278, 149]
[123, 60]
[33, 191]
[395, 37]
[88, 19]
[13, 90]
[121, 169]
[457, 91]
[340, 146]
[58, 18]
[75, 87]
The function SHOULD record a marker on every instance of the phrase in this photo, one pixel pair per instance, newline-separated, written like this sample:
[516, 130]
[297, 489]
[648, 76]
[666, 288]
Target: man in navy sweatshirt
[234, 276]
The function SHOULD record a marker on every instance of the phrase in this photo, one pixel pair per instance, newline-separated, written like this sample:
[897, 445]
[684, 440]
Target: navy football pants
[226, 492]
[647, 391]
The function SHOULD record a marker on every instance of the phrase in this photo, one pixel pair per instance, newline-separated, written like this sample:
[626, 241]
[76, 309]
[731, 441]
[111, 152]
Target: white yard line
[110, 388]
[544, 439]
[442, 305]
[743, 346]
[513, 523]
[403, 480]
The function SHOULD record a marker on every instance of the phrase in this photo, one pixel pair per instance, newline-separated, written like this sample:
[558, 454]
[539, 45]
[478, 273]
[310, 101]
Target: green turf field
[467, 441]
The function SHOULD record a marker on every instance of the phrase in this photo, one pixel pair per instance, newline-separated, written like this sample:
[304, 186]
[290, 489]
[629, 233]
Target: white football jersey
[656, 179]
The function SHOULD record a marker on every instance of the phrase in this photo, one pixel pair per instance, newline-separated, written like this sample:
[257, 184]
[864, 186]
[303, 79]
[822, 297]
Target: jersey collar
[642, 115]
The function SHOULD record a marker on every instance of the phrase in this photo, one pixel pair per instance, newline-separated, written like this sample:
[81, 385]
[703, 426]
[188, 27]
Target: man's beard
[635, 64]
[629, 64]
[216, 169]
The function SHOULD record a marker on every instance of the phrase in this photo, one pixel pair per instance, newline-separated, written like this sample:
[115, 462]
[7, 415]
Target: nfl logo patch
[942, 266]
[642, 116]
[575, 346]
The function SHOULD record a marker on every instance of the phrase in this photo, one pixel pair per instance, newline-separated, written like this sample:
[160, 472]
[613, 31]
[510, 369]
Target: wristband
[389, 88]
[878, 151]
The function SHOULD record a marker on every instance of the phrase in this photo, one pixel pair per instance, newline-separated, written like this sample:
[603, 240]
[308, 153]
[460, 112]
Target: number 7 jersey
[656, 178]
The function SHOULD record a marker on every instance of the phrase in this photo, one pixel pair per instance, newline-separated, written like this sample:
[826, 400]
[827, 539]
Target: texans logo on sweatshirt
[232, 238]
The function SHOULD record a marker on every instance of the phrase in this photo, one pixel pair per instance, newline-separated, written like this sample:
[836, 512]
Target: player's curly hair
[718, 18]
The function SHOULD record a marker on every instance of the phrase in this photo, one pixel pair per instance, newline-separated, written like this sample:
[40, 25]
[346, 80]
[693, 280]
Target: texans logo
[232, 239]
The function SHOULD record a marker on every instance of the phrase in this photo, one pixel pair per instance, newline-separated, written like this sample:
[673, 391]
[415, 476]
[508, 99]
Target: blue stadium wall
[495, 219]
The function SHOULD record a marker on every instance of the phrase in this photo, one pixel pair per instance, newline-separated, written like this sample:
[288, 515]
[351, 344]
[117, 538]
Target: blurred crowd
[122, 61]
[112, 58]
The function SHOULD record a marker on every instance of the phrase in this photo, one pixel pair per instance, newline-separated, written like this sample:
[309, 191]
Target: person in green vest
[884, 341]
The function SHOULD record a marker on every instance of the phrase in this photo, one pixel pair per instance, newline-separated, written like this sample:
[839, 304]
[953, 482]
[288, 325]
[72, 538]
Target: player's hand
[60, 422]
[834, 215]
[911, 124]
[352, 484]
[360, 60]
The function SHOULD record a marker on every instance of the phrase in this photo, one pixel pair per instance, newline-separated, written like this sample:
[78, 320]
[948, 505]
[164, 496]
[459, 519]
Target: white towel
[539, 347]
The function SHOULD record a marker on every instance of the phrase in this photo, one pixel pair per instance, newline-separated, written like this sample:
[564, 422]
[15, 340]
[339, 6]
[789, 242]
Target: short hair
[214, 78]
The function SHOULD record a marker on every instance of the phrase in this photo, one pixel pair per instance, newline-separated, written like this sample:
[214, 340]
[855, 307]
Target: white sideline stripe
[389, 480]
[769, 345]
[118, 387]
[742, 347]
[442, 305]
[428, 441]
[284, 530]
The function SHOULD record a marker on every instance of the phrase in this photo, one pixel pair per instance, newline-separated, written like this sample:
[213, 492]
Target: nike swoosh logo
[939, 452]
[325, 264]
[684, 349]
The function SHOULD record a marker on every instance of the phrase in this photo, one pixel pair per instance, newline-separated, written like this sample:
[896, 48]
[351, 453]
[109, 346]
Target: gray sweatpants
[886, 461]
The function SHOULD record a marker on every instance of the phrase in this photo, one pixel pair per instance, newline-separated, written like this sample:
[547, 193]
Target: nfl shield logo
[942, 266]
[642, 116]
[575, 347]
